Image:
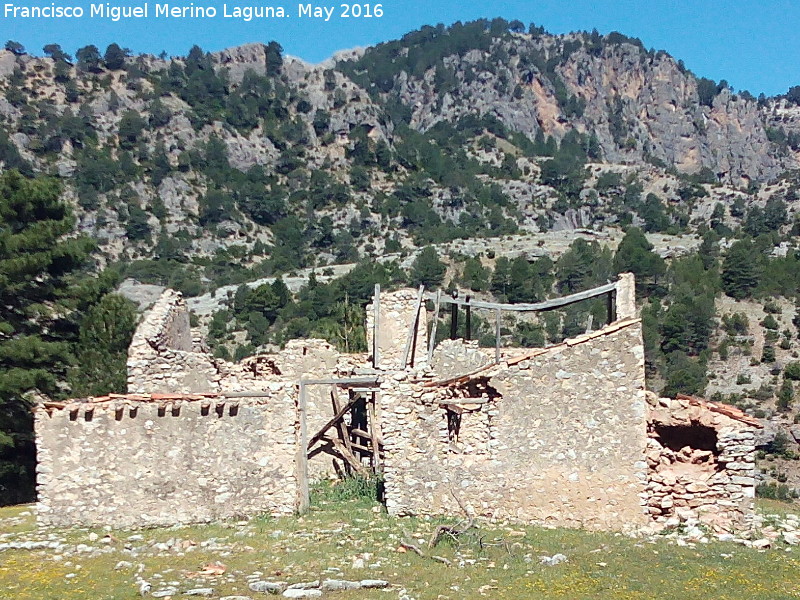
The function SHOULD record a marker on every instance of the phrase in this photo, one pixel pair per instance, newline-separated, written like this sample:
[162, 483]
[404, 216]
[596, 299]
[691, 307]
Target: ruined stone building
[565, 435]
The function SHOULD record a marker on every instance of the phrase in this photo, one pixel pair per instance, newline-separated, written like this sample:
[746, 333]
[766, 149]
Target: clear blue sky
[754, 45]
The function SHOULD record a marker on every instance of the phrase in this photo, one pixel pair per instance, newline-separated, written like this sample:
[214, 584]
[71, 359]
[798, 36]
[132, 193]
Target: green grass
[493, 560]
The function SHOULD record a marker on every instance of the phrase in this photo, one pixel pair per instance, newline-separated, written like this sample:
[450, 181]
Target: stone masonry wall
[559, 439]
[163, 358]
[133, 463]
[395, 319]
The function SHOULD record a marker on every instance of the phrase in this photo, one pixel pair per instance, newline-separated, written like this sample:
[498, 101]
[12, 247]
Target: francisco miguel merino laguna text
[184, 11]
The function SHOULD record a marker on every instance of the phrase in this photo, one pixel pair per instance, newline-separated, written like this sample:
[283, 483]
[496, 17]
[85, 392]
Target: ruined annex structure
[565, 435]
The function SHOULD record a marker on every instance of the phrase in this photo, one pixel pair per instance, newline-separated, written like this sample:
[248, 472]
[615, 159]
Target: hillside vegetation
[452, 157]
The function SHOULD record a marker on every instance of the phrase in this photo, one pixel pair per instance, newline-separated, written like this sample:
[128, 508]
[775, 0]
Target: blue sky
[753, 45]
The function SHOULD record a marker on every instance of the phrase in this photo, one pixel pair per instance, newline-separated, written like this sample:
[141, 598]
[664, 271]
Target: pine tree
[427, 269]
[102, 351]
[635, 254]
[785, 395]
[739, 270]
[37, 294]
[476, 276]
[114, 58]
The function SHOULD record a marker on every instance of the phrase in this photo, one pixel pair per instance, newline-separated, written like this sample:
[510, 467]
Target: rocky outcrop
[652, 101]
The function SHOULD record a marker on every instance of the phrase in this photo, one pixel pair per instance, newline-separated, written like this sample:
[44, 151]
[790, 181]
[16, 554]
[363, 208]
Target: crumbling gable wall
[558, 438]
[163, 357]
[701, 459]
[135, 461]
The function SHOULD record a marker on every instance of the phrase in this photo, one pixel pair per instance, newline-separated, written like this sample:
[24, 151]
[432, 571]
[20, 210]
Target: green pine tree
[740, 269]
[37, 296]
[102, 350]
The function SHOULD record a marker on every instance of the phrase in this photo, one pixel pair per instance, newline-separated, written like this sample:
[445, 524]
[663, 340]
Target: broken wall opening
[465, 410]
[694, 436]
[701, 463]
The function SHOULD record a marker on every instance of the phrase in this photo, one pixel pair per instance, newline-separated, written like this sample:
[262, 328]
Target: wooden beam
[348, 456]
[339, 414]
[412, 332]
[375, 434]
[538, 306]
[376, 327]
[344, 381]
[432, 341]
[303, 500]
[362, 447]
[468, 321]
[497, 335]
[343, 433]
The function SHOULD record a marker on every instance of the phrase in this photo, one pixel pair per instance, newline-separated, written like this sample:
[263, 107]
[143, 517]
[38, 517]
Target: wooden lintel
[464, 401]
[343, 381]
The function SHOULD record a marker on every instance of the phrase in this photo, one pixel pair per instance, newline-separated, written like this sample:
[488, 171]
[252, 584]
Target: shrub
[769, 322]
[354, 487]
[775, 491]
[792, 371]
[768, 354]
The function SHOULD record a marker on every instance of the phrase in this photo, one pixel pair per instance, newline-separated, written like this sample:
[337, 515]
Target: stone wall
[558, 438]
[395, 320]
[702, 464]
[164, 358]
[131, 462]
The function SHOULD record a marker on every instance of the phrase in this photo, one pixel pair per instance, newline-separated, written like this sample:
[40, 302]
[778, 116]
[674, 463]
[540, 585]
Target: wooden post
[497, 336]
[432, 341]
[610, 306]
[303, 499]
[468, 319]
[340, 425]
[412, 332]
[376, 327]
[373, 429]
[454, 318]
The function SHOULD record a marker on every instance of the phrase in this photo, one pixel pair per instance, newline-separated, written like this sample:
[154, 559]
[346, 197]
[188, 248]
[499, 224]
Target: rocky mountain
[182, 166]
[641, 105]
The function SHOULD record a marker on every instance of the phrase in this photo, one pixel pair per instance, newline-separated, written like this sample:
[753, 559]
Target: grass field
[354, 539]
